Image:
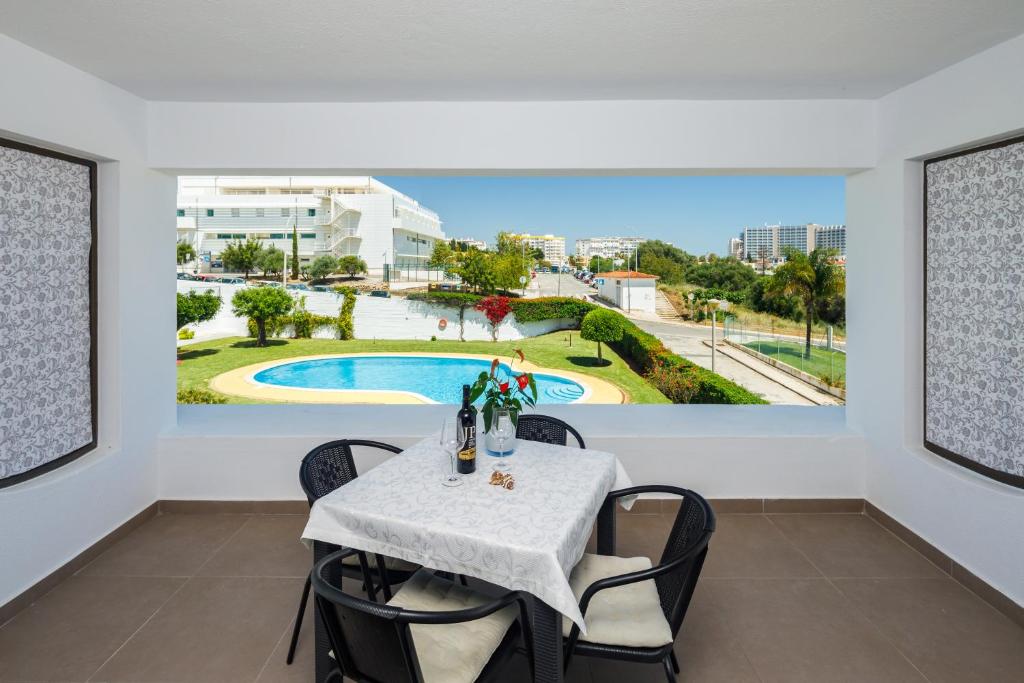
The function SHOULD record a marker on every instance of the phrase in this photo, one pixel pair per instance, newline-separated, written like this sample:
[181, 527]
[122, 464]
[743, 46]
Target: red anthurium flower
[504, 387]
[523, 381]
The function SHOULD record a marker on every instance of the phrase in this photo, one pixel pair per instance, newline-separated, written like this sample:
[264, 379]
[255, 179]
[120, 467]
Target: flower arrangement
[504, 391]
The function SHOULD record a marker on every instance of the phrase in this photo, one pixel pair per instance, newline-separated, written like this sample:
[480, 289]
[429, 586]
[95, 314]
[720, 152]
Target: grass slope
[822, 363]
[202, 362]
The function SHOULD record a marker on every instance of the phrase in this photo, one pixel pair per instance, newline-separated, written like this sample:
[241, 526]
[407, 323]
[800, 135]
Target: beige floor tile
[945, 630]
[750, 546]
[853, 546]
[267, 545]
[707, 648]
[795, 630]
[303, 669]
[167, 545]
[71, 631]
[214, 630]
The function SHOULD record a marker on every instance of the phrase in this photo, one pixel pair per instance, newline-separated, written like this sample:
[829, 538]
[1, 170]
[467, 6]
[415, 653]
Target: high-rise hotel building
[772, 241]
[336, 215]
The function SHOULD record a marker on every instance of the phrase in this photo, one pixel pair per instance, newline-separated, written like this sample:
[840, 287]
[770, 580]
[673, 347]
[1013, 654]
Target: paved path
[776, 387]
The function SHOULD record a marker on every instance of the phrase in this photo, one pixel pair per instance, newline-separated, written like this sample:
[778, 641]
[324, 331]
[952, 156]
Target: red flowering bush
[495, 309]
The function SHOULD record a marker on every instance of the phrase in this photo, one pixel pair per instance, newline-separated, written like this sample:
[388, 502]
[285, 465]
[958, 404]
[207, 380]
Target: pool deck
[240, 382]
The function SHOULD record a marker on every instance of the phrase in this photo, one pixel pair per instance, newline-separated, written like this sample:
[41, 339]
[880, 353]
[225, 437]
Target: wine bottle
[467, 425]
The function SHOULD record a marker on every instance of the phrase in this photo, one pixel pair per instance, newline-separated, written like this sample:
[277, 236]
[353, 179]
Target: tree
[186, 252]
[261, 304]
[601, 325]
[668, 271]
[508, 269]
[477, 272]
[322, 266]
[271, 261]
[495, 309]
[441, 256]
[352, 265]
[599, 264]
[716, 273]
[537, 253]
[242, 257]
[507, 243]
[194, 307]
[295, 252]
[812, 278]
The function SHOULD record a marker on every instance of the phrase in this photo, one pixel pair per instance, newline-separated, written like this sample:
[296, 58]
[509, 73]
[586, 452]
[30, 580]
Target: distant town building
[770, 242]
[552, 246]
[336, 215]
[736, 248]
[470, 242]
[607, 247]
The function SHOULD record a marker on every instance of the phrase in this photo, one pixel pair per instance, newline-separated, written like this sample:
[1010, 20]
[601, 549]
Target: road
[774, 386]
[547, 284]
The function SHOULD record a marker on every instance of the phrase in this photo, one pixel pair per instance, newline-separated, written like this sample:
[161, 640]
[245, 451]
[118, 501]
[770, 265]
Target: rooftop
[628, 275]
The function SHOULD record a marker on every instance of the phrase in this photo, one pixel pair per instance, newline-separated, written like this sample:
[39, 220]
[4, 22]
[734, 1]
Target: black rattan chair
[425, 632]
[324, 469]
[634, 611]
[546, 429]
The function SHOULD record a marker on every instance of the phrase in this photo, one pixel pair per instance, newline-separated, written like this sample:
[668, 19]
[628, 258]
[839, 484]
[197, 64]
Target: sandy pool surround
[240, 382]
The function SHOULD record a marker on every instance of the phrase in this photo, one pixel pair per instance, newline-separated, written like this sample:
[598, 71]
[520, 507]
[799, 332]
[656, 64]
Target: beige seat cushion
[451, 653]
[389, 562]
[626, 615]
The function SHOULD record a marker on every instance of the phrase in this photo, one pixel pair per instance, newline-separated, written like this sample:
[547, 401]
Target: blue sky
[696, 213]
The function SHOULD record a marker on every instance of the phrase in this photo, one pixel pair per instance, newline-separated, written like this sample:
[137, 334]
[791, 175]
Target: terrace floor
[800, 597]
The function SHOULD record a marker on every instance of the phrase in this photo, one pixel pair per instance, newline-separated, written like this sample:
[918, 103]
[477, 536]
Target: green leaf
[533, 387]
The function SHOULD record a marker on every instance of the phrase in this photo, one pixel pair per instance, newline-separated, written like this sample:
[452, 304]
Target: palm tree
[812, 278]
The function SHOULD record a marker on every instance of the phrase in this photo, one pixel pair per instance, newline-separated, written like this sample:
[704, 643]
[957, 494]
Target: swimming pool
[435, 378]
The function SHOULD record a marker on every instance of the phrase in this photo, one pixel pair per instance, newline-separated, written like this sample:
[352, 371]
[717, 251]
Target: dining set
[416, 581]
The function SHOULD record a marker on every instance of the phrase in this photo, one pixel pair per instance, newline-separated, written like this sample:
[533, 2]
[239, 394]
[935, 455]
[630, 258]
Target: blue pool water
[438, 379]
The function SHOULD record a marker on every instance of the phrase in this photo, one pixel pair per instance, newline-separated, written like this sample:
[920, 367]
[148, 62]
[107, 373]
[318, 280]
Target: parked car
[321, 288]
[299, 286]
[231, 280]
[185, 276]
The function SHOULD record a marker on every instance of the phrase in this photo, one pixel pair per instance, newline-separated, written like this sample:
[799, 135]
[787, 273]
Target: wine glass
[450, 441]
[503, 429]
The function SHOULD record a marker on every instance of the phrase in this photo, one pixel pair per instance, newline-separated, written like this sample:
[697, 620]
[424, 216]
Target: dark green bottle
[467, 426]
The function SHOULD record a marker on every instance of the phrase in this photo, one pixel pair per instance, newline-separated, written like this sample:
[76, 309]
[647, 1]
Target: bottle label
[468, 450]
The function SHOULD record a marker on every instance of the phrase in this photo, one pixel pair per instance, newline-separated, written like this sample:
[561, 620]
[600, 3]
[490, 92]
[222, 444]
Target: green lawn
[201, 362]
[822, 363]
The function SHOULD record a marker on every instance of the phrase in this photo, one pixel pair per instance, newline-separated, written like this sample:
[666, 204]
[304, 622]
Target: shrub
[678, 387]
[344, 325]
[601, 325]
[186, 333]
[550, 308]
[459, 300]
[496, 309]
[199, 396]
[352, 265]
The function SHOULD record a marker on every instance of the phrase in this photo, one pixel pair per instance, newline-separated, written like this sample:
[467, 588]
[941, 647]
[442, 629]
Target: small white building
[629, 290]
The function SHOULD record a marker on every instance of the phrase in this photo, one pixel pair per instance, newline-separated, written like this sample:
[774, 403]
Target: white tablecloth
[528, 538]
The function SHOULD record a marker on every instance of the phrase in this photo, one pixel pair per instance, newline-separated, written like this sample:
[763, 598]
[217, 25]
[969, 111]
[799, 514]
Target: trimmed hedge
[550, 308]
[446, 298]
[679, 379]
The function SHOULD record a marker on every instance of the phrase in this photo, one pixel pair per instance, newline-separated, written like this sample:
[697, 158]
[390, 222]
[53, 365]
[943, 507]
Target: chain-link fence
[825, 359]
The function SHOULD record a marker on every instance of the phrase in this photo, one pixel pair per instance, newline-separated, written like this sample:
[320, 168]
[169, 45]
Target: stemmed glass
[451, 439]
[503, 429]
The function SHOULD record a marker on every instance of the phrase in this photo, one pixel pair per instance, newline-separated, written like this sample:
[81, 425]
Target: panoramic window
[393, 289]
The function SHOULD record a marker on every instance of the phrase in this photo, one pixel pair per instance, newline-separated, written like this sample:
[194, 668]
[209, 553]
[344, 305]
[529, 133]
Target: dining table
[526, 536]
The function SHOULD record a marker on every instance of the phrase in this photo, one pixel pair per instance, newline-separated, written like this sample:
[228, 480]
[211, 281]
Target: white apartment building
[552, 246]
[607, 247]
[337, 215]
[470, 242]
[736, 248]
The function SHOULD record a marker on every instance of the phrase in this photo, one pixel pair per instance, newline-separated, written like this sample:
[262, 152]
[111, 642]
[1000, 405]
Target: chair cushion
[389, 562]
[627, 615]
[451, 653]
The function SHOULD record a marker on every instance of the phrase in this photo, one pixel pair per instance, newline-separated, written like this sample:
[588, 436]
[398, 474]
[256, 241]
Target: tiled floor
[211, 598]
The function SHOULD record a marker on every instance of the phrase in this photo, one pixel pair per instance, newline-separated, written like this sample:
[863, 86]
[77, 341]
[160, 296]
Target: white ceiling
[340, 50]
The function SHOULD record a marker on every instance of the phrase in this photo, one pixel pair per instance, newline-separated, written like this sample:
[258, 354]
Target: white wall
[48, 520]
[978, 522]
